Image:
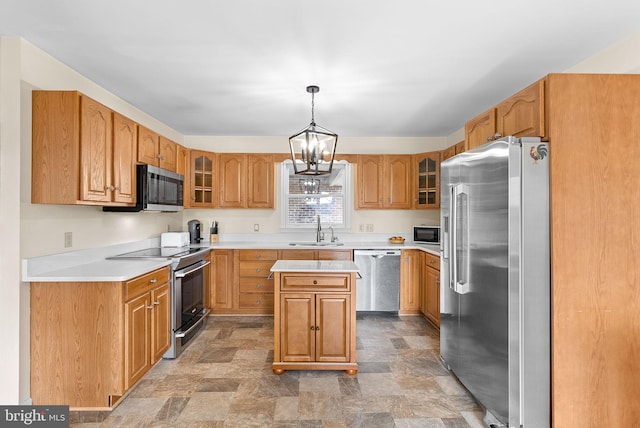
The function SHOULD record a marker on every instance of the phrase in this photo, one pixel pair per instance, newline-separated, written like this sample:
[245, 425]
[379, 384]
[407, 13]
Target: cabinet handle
[317, 328]
[150, 307]
[312, 328]
[258, 285]
[258, 270]
[156, 303]
[315, 282]
[257, 302]
[118, 188]
[257, 256]
[159, 156]
[109, 188]
[153, 280]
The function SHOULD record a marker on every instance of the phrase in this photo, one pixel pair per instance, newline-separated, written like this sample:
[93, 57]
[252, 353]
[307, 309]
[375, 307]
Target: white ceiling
[385, 68]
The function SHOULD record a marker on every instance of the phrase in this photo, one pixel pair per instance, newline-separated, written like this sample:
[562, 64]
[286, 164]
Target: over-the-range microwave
[426, 234]
[157, 189]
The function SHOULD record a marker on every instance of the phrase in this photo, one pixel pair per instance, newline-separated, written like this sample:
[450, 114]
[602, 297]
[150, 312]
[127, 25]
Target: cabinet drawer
[256, 301]
[146, 282]
[258, 255]
[315, 282]
[432, 261]
[256, 269]
[256, 285]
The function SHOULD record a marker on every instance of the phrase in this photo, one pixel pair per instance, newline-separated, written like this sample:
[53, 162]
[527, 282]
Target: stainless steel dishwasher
[378, 286]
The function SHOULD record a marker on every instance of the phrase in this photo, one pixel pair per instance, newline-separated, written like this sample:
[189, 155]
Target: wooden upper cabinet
[246, 180]
[369, 181]
[95, 151]
[154, 149]
[148, 142]
[452, 151]
[523, 114]
[426, 180]
[480, 129]
[125, 140]
[168, 152]
[202, 190]
[383, 181]
[80, 152]
[182, 168]
[260, 184]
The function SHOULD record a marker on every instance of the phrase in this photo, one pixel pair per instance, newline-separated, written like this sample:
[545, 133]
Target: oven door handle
[197, 266]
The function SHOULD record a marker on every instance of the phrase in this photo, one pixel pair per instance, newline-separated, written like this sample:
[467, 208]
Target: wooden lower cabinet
[430, 288]
[92, 341]
[409, 282]
[314, 322]
[221, 276]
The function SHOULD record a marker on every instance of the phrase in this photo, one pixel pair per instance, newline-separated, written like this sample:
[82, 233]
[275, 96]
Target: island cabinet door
[333, 327]
[297, 327]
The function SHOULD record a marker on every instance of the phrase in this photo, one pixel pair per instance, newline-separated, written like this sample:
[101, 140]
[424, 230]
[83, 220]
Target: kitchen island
[314, 315]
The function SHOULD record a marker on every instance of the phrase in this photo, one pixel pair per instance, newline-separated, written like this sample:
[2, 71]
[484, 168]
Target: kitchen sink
[316, 244]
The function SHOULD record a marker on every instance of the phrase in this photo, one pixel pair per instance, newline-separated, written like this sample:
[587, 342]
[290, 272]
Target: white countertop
[314, 266]
[90, 265]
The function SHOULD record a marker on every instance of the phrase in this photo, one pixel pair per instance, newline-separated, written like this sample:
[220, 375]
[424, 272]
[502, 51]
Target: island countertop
[314, 266]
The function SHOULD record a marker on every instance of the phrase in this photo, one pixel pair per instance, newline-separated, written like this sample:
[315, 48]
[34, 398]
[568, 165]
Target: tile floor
[224, 379]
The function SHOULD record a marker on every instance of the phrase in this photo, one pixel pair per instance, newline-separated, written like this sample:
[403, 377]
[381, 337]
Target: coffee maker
[194, 232]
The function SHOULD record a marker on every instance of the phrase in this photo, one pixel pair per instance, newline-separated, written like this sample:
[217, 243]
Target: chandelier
[313, 148]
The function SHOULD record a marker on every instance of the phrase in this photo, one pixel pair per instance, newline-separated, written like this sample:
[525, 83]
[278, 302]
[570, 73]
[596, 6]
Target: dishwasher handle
[376, 253]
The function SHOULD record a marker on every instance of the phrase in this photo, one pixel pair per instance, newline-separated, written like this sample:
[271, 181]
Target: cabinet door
[335, 255]
[95, 151]
[260, 186]
[297, 327]
[232, 170]
[432, 285]
[137, 338]
[182, 168]
[480, 129]
[333, 327]
[221, 281]
[161, 321]
[427, 180]
[125, 140]
[397, 182]
[369, 181]
[147, 146]
[410, 282]
[523, 114]
[167, 154]
[201, 176]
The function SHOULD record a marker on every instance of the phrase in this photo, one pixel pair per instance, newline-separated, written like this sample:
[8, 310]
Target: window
[304, 197]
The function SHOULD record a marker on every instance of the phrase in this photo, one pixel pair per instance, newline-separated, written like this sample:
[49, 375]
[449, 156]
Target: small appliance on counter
[214, 232]
[426, 234]
[174, 239]
[194, 231]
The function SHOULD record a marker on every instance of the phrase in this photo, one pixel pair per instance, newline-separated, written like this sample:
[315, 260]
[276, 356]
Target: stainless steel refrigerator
[495, 278]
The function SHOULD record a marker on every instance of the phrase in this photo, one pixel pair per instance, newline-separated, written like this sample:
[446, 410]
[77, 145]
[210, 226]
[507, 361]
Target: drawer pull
[312, 328]
[156, 303]
[153, 280]
[258, 285]
[317, 328]
[257, 302]
[315, 282]
[258, 270]
[257, 256]
[150, 307]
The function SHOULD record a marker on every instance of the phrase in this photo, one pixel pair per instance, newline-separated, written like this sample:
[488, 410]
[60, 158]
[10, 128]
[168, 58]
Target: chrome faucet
[319, 234]
[333, 237]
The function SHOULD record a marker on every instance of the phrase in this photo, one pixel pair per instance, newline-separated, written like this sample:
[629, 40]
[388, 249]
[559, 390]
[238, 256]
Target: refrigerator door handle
[459, 239]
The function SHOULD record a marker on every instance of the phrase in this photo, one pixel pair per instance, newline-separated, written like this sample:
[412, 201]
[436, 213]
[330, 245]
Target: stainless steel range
[188, 309]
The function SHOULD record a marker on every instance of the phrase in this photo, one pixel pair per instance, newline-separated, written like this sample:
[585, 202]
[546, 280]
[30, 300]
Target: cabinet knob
[315, 282]
[258, 270]
[109, 188]
[150, 307]
[156, 303]
[153, 280]
[257, 302]
[258, 285]
[317, 328]
[312, 328]
[257, 256]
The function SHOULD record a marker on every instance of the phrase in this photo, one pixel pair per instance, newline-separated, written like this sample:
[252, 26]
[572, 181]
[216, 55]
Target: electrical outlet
[361, 227]
[256, 227]
[369, 227]
[68, 239]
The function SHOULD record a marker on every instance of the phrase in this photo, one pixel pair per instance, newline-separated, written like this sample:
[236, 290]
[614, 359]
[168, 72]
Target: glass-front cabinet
[202, 190]
[427, 180]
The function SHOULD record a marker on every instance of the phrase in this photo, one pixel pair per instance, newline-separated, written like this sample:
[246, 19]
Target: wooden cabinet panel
[167, 154]
[298, 255]
[300, 281]
[148, 142]
[297, 327]
[452, 151]
[398, 178]
[426, 179]
[410, 282]
[202, 173]
[523, 114]
[432, 298]
[221, 280]
[256, 255]
[160, 322]
[260, 185]
[95, 151]
[480, 129]
[260, 302]
[232, 168]
[369, 181]
[333, 327]
[137, 345]
[125, 145]
[335, 255]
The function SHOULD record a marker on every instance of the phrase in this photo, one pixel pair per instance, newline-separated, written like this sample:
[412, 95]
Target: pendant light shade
[313, 148]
